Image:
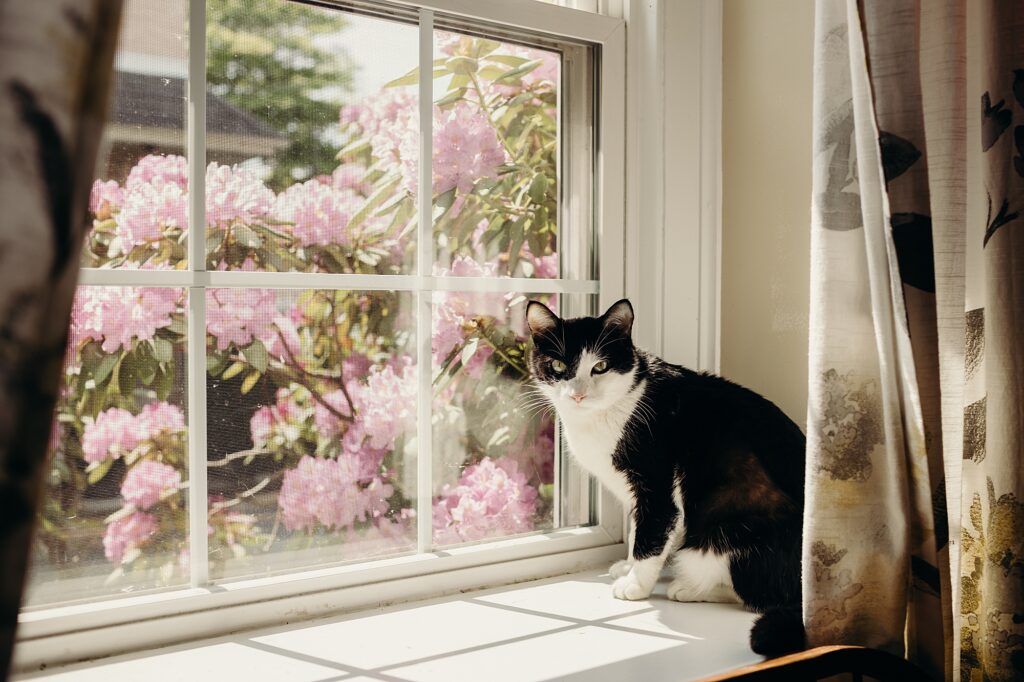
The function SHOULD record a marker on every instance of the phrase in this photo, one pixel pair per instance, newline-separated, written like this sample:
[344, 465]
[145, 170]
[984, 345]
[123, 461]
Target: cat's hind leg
[701, 576]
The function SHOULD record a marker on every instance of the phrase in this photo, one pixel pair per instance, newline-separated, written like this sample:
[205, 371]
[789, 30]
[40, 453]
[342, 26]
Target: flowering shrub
[313, 395]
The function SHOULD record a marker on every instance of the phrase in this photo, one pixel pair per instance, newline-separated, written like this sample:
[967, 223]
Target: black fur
[738, 458]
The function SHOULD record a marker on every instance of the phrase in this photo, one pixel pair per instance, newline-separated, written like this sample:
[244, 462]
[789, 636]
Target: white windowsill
[566, 628]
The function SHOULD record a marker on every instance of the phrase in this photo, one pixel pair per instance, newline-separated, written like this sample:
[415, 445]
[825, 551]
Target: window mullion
[424, 264]
[196, 351]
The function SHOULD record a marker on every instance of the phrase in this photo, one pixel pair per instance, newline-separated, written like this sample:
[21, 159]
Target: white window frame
[54, 635]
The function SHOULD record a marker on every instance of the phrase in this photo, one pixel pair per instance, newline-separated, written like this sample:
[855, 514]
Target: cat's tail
[779, 631]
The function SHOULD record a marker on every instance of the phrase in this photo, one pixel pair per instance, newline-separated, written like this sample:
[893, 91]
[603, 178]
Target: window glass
[319, 175]
[138, 207]
[115, 517]
[495, 162]
[311, 422]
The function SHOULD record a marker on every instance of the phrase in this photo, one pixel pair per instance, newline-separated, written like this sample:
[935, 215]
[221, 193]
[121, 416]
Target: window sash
[44, 629]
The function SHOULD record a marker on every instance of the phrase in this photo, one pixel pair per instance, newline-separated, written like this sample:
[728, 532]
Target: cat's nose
[577, 396]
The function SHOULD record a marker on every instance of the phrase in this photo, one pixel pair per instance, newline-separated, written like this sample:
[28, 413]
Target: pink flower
[149, 209]
[105, 197]
[327, 491]
[239, 315]
[320, 213]
[157, 169]
[111, 435]
[292, 344]
[350, 176]
[117, 431]
[146, 482]
[327, 423]
[281, 417]
[234, 193]
[492, 499]
[387, 404]
[159, 418]
[127, 533]
[466, 149]
[546, 267]
[389, 111]
[454, 310]
[116, 315]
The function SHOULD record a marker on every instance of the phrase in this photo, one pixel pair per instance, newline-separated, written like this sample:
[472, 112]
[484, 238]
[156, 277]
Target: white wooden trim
[710, 319]
[673, 176]
[528, 15]
[198, 513]
[424, 299]
[611, 204]
[303, 280]
[69, 634]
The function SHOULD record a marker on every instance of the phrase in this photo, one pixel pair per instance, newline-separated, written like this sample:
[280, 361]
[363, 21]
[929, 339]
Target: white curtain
[916, 396]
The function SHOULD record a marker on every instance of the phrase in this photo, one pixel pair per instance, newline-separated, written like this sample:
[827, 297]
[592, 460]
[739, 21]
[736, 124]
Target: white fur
[644, 573]
[702, 576]
[594, 425]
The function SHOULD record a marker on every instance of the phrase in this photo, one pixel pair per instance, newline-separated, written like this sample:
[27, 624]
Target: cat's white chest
[593, 439]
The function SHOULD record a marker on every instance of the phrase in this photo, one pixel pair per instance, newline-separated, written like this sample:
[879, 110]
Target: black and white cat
[713, 472]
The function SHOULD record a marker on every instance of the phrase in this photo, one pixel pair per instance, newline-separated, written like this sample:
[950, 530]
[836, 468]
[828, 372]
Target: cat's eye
[558, 367]
[600, 367]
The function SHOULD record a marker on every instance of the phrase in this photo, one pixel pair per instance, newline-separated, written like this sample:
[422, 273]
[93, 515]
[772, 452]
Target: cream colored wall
[766, 197]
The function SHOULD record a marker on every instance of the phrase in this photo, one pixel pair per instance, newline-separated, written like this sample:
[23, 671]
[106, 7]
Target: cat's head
[586, 364]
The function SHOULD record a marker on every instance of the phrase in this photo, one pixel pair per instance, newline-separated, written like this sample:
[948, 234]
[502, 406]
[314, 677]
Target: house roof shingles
[159, 102]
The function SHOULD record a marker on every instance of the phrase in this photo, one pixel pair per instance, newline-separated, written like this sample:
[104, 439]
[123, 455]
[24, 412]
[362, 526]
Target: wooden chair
[825, 661]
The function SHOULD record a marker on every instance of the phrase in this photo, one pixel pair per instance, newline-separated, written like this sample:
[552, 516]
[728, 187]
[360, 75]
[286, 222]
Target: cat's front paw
[629, 587]
[620, 568]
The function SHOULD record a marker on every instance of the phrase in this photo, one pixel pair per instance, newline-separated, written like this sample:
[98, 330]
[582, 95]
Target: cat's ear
[540, 318]
[619, 316]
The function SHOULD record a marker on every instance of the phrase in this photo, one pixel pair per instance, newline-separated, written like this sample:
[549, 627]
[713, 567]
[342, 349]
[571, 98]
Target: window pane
[138, 206]
[311, 419]
[496, 157]
[319, 174]
[494, 440]
[115, 516]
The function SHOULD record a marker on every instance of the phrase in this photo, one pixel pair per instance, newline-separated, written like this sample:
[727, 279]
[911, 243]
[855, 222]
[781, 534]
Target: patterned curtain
[55, 67]
[914, 527]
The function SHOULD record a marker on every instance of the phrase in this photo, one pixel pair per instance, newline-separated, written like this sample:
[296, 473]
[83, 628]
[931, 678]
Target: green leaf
[518, 72]
[233, 371]
[95, 473]
[178, 325]
[375, 200]
[462, 65]
[538, 188]
[215, 363]
[508, 59]
[411, 78]
[354, 148]
[484, 47]
[214, 240]
[491, 71]
[147, 368]
[249, 382]
[445, 199]
[245, 236]
[105, 367]
[451, 98]
[256, 355]
[163, 350]
[163, 384]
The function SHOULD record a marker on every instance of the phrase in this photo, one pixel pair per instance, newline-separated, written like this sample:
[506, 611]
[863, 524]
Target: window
[334, 372]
